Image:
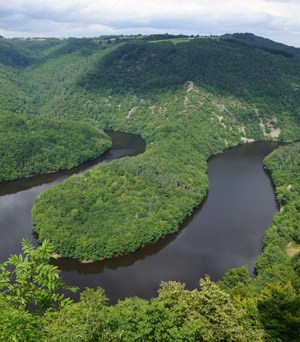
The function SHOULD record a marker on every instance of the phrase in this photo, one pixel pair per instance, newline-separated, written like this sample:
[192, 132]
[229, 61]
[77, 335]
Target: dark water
[225, 232]
[16, 198]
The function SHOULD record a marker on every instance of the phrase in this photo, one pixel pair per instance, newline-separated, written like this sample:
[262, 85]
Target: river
[225, 231]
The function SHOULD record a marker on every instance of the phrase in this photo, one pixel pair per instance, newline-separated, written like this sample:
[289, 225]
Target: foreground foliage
[29, 287]
[28, 281]
[208, 314]
[177, 314]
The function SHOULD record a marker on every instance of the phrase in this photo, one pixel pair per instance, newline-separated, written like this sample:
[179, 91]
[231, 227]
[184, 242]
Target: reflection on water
[225, 232]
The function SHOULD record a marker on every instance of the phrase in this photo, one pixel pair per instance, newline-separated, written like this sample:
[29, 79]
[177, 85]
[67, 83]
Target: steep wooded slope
[227, 95]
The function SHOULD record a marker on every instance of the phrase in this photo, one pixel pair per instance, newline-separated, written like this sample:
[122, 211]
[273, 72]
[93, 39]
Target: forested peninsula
[189, 98]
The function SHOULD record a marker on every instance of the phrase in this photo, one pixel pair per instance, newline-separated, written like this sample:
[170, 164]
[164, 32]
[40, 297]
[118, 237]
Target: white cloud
[276, 19]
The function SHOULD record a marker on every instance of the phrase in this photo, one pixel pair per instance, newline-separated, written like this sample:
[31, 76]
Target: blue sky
[275, 19]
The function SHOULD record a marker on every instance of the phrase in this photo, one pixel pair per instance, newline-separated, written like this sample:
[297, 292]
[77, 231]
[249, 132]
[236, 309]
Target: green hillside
[222, 66]
[189, 100]
[30, 146]
[265, 44]
[225, 94]
[11, 55]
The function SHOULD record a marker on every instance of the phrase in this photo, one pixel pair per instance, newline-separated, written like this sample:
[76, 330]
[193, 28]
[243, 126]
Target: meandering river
[224, 232]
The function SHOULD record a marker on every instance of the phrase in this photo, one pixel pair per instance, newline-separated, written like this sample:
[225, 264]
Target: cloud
[276, 19]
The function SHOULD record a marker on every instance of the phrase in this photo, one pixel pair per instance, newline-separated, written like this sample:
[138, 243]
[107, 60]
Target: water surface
[16, 197]
[225, 231]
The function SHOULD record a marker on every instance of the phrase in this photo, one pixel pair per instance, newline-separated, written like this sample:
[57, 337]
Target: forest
[183, 125]
[29, 146]
[189, 98]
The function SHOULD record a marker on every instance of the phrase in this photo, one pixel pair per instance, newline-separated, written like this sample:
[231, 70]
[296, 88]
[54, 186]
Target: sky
[278, 20]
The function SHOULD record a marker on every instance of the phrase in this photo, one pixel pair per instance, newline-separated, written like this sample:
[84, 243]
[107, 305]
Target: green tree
[19, 325]
[279, 307]
[85, 321]
[28, 282]
[236, 280]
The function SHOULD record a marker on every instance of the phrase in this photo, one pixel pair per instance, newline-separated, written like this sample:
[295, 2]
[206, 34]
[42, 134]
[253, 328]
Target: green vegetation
[31, 146]
[209, 314]
[176, 314]
[29, 287]
[13, 56]
[188, 101]
[278, 271]
[172, 40]
[284, 165]
[183, 126]
[264, 44]
[222, 66]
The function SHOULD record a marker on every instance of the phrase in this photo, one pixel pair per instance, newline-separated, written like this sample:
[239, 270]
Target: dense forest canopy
[222, 65]
[31, 146]
[189, 98]
[264, 44]
[162, 91]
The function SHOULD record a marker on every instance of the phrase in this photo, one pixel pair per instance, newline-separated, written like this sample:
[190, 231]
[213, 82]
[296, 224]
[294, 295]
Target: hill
[32, 146]
[13, 56]
[264, 44]
[188, 99]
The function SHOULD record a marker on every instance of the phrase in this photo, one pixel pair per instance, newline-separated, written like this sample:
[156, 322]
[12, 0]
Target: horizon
[138, 34]
[277, 20]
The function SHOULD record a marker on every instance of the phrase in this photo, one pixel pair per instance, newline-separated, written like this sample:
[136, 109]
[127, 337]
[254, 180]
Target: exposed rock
[152, 109]
[130, 112]
[87, 261]
[220, 117]
[56, 256]
[241, 129]
[186, 100]
[190, 86]
[274, 132]
[292, 249]
[246, 140]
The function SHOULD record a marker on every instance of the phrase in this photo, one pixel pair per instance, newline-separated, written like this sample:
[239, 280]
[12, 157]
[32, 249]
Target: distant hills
[264, 44]
[10, 55]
